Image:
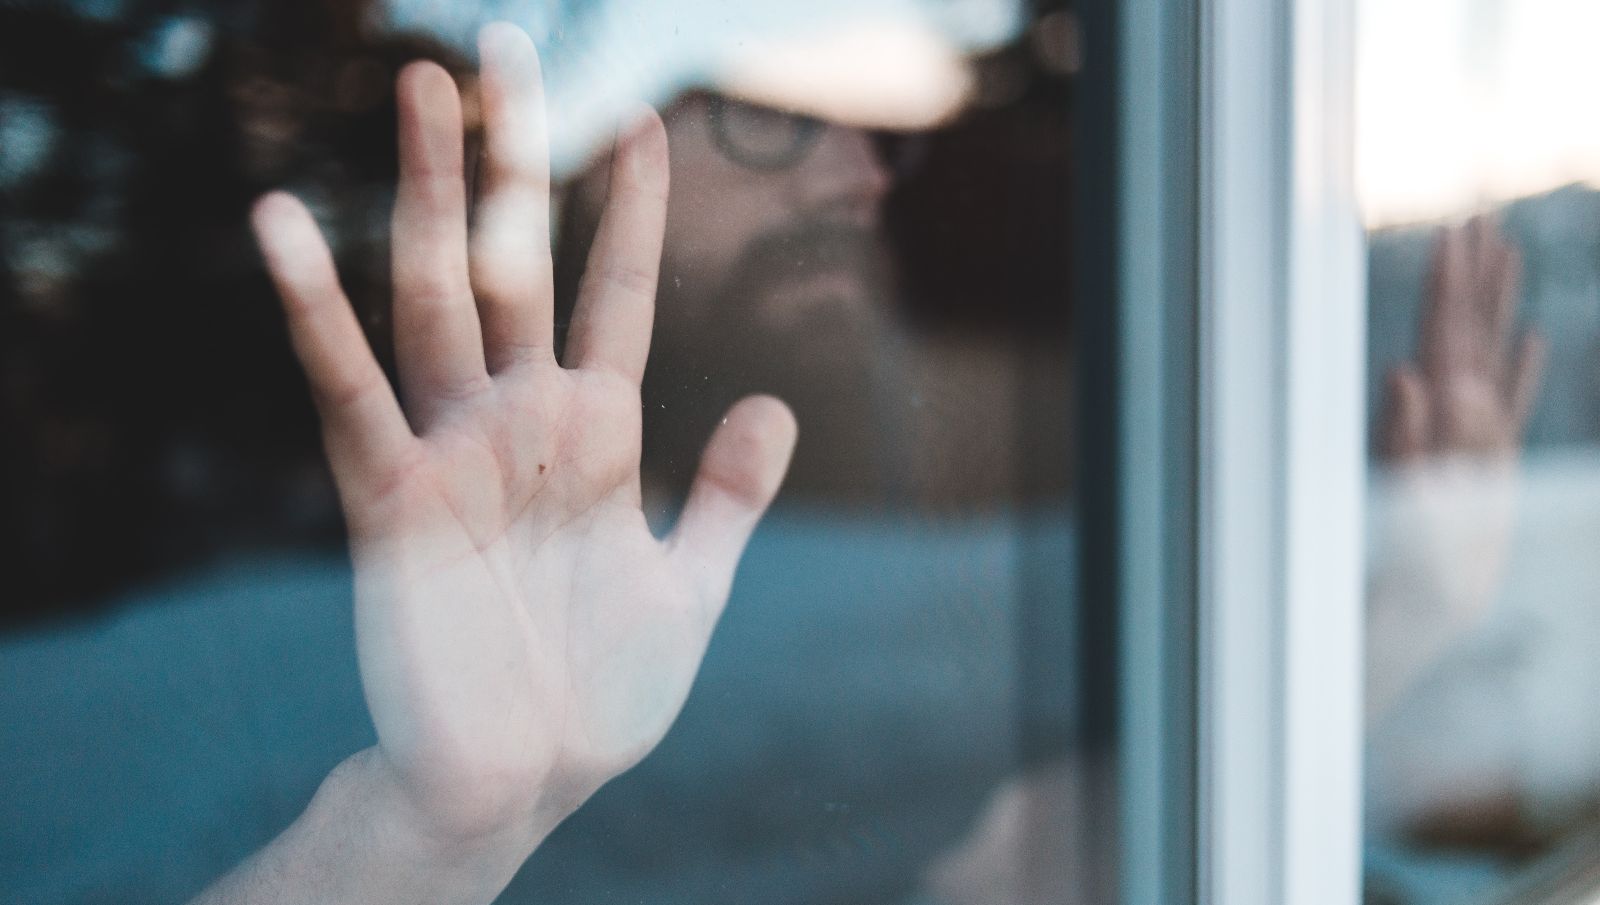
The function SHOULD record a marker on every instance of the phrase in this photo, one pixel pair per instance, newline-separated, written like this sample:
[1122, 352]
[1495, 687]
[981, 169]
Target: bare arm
[361, 840]
[522, 636]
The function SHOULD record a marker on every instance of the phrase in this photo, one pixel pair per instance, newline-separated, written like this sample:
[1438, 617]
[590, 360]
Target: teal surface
[859, 701]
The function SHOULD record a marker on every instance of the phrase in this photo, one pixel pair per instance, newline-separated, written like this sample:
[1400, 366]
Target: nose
[843, 177]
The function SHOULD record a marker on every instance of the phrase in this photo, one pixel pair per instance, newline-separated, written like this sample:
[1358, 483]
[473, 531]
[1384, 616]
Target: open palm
[522, 636]
[1453, 424]
[1452, 435]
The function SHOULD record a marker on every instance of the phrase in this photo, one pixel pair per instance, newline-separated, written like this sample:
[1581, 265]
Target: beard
[822, 275]
[804, 314]
[799, 307]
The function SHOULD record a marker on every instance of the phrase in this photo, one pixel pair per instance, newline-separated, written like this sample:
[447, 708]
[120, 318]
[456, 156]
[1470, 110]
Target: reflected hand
[522, 636]
[1476, 384]
[1452, 431]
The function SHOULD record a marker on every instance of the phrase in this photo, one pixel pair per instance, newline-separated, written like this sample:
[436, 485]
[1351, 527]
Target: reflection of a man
[859, 705]
[1481, 548]
[775, 278]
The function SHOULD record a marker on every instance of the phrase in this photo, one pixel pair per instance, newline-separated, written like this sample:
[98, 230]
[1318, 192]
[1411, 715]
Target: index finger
[364, 429]
[616, 299]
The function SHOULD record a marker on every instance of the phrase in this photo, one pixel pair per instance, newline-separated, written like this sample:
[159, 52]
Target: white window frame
[1282, 455]
[1241, 452]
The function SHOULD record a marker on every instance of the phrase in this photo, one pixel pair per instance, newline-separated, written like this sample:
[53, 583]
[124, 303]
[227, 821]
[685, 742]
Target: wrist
[482, 857]
[362, 839]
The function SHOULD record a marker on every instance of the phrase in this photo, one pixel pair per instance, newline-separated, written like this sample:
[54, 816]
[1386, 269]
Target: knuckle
[462, 388]
[502, 276]
[431, 291]
[341, 395]
[387, 482]
[438, 184]
[631, 279]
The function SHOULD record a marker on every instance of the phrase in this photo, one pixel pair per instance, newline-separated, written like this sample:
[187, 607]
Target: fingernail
[503, 47]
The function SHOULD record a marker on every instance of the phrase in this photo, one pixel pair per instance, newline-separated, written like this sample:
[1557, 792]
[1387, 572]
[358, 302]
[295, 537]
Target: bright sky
[894, 63]
[1462, 103]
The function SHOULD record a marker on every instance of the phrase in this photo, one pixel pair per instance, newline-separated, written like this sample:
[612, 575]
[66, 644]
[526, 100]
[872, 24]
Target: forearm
[1410, 626]
[1440, 544]
[360, 841]
[1399, 646]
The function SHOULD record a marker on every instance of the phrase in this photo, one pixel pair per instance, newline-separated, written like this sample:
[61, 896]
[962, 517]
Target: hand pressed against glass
[1477, 381]
[522, 636]
[1452, 430]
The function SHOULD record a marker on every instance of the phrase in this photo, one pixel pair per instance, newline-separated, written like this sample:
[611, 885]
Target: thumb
[739, 475]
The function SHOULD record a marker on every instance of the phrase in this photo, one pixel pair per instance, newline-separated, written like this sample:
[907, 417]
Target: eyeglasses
[761, 138]
[765, 138]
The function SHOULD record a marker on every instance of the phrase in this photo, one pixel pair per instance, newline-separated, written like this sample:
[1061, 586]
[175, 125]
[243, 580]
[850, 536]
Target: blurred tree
[150, 412]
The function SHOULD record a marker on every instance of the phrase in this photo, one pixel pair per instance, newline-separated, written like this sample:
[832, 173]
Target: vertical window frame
[1223, 433]
[1281, 459]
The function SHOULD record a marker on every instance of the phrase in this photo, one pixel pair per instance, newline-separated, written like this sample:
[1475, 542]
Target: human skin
[785, 266]
[723, 207]
[775, 280]
[1452, 436]
[522, 636]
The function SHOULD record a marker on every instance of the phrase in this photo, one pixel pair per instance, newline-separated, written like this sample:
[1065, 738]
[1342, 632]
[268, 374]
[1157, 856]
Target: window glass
[868, 218]
[1478, 166]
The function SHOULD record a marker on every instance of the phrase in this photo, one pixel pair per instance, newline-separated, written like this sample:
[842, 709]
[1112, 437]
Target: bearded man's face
[775, 278]
[781, 270]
